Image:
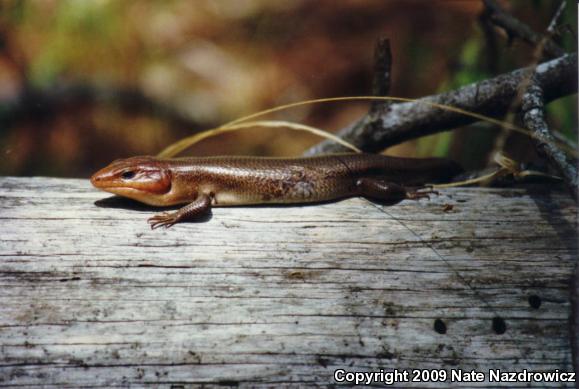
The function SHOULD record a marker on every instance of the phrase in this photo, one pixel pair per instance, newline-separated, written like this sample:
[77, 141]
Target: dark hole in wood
[439, 326]
[534, 301]
[499, 325]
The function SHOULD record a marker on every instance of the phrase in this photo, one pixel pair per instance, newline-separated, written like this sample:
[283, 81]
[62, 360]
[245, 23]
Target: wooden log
[91, 297]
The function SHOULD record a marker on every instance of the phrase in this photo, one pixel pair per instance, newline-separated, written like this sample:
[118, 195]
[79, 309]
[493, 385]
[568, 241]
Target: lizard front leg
[200, 206]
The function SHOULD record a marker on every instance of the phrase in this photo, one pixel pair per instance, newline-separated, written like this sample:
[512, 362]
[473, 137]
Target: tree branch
[382, 72]
[533, 115]
[492, 97]
[515, 27]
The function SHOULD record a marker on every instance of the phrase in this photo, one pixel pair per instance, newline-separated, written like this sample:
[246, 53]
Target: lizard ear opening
[159, 181]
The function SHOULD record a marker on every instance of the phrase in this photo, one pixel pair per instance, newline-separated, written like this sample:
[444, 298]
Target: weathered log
[90, 296]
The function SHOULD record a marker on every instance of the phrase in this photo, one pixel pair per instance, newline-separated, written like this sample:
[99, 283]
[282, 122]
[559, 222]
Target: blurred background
[83, 82]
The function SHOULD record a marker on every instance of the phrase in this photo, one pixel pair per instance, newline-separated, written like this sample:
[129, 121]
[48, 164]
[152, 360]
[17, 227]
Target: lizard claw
[165, 219]
[415, 195]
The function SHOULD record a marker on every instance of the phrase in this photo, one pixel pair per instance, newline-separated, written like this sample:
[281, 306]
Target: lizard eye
[128, 175]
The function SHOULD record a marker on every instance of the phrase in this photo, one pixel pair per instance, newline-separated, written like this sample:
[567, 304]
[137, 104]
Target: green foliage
[471, 65]
[562, 114]
[78, 29]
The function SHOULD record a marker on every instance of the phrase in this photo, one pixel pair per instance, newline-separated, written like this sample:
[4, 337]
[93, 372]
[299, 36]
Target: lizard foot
[166, 219]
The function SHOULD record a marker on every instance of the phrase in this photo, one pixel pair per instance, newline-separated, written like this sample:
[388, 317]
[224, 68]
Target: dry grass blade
[478, 180]
[507, 166]
[185, 143]
[181, 145]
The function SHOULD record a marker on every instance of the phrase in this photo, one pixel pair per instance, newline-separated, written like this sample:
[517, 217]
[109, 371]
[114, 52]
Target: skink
[205, 182]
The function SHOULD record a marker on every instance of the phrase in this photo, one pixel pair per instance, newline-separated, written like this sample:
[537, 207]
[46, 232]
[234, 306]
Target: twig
[555, 19]
[492, 51]
[491, 97]
[382, 72]
[515, 27]
[533, 114]
[564, 140]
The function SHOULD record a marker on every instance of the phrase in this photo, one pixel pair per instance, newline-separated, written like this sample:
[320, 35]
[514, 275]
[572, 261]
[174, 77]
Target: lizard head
[145, 179]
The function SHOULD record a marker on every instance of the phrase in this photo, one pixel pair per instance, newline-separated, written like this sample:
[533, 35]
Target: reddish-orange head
[145, 179]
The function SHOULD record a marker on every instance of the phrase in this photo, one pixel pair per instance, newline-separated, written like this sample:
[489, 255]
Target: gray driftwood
[91, 297]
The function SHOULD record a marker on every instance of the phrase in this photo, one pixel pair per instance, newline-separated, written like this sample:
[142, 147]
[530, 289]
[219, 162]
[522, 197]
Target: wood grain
[91, 297]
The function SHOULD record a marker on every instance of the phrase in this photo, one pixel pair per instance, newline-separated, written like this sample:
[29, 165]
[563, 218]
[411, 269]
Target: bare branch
[492, 97]
[533, 114]
[491, 49]
[515, 27]
[382, 71]
[555, 20]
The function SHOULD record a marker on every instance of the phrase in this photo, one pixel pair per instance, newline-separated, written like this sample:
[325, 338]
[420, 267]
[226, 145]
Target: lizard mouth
[136, 194]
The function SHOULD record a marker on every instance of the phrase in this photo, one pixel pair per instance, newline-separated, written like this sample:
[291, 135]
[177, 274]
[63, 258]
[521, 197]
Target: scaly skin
[224, 181]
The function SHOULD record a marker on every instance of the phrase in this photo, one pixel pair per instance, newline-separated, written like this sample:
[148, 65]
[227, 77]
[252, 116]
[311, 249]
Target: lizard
[205, 182]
